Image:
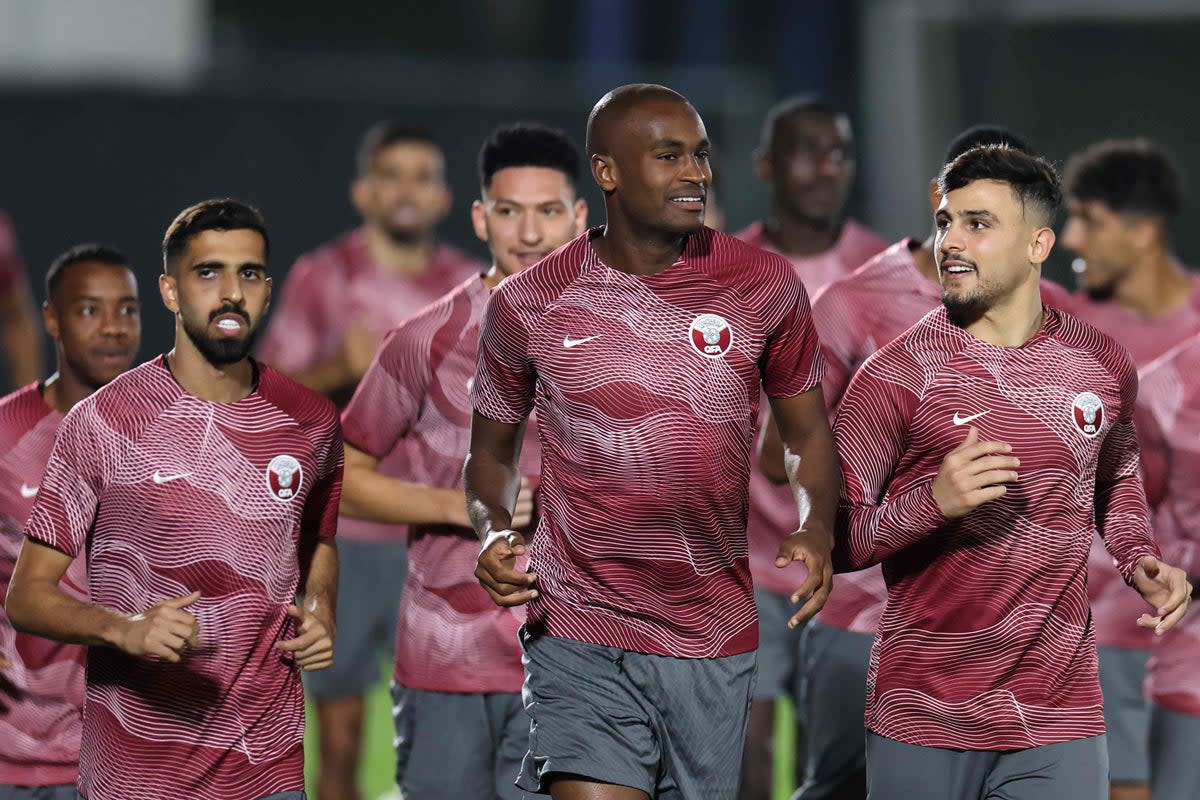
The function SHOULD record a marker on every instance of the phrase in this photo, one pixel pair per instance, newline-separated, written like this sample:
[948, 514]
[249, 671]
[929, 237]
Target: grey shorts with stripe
[779, 654]
[1126, 713]
[65, 791]
[1076, 770]
[672, 727]
[1174, 761]
[452, 746]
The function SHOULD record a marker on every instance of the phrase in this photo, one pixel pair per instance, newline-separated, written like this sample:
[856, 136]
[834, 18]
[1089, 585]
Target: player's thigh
[901, 771]
[701, 706]
[1126, 713]
[1075, 770]
[66, 791]
[371, 576]
[778, 646]
[834, 697]
[510, 741]
[587, 718]
[1174, 755]
[443, 745]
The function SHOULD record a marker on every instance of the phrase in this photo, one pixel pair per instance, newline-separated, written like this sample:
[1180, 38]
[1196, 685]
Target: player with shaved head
[644, 346]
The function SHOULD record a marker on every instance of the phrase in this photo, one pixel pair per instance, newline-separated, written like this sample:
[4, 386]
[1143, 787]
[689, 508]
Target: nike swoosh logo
[568, 342]
[28, 491]
[964, 420]
[160, 479]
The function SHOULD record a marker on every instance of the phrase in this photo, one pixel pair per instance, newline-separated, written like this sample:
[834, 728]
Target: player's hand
[358, 350]
[814, 547]
[497, 572]
[164, 630]
[313, 648]
[8, 689]
[972, 474]
[4, 662]
[1164, 587]
[522, 513]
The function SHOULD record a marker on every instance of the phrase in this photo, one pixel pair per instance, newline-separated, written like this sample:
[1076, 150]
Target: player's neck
[1157, 287]
[64, 389]
[637, 250]
[797, 236]
[201, 378]
[492, 278]
[400, 258]
[1012, 321]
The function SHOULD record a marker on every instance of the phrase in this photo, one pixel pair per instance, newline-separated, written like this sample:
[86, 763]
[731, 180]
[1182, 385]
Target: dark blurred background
[116, 114]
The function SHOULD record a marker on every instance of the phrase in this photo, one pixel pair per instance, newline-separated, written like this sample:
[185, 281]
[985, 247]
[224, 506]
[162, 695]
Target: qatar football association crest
[711, 335]
[284, 478]
[1088, 413]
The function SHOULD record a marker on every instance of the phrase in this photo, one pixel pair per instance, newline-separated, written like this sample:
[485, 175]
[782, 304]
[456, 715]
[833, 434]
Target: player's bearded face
[218, 347]
[811, 167]
[404, 195]
[1104, 240]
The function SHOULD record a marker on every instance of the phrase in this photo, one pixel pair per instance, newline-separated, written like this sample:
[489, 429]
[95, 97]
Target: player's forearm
[491, 490]
[770, 453]
[41, 608]
[22, 342]
[1122, 515]
[320, 585]
[368, 495]
[868, 533]
[326, 376]
[810, 463]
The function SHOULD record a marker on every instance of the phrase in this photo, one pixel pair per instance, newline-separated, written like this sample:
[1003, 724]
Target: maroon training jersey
[1114, 607]
[1171, 398]
[414, 400]
[41, 720]
[337, 286]
[855, 316]
[647, 392]
[986, 641]
[773, 514]
[169, 494]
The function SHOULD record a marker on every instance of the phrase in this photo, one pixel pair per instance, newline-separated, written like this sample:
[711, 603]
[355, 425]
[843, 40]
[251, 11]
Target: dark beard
[962, 311]
[406, 236]
[224, 351]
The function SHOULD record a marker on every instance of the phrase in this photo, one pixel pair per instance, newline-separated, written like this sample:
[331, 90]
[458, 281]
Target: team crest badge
[711, 335]
[284, 478]
[1088, 413]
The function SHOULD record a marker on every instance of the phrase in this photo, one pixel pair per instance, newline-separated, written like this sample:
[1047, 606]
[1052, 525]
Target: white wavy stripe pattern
[646, 442]
[231, 712]
[985, 642]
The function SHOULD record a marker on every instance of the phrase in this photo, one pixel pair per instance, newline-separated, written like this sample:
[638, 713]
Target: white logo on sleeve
[568, 342]
[28, 491]
[284, 478]
[160, 479]
[958, 420]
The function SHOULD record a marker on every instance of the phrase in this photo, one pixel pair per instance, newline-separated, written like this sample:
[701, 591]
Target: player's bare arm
[770, 451]
[315, 613]
[21, 335]
[368, 494]
[810, 459]
[37, 605]
[972, 474]
[492, 481]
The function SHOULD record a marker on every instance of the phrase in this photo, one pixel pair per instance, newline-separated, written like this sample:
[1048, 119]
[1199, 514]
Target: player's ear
[581, 212]
[360, 194]
[479, 220]
[762, 165]
[605, 172]
[50, 320]
[168, 287]
[1041, 245]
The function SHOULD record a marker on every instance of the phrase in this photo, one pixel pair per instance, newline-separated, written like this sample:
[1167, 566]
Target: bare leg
[573, 787]
[340, 721]
[1129, 791]
[758, 758]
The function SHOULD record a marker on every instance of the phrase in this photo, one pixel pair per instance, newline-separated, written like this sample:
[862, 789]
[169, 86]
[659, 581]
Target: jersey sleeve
[70, 490]
[505, 379]
[792, 363]
[871, 431]
[1122, 516]
[321, 507]
[300, 330]
[387, 402]
[832, 314]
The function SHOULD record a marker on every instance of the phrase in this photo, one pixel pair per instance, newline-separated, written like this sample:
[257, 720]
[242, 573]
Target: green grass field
[378, 765]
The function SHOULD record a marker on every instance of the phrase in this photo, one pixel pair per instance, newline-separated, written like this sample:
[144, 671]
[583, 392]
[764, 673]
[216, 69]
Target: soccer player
[980, 452]
[19, 337]
[92, 315]
[203, 488]
[1123, 197]
[854, 316]
[806, 156]
[337, 303]
[1170, 427]
[644, 346]
[461, 729]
